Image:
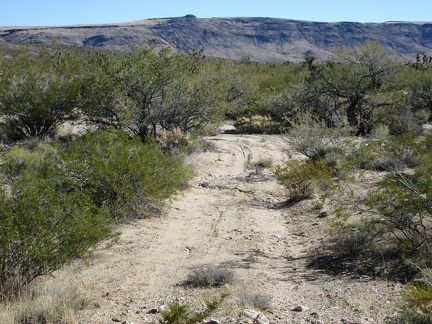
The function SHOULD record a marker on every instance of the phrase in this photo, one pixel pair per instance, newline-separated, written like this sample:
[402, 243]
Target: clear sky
[72, 12]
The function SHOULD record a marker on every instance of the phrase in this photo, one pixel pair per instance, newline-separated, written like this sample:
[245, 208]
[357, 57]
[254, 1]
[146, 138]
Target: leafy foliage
[45, 223]
[61, 202]
[302, 178]
[123, 175]
[37, 94]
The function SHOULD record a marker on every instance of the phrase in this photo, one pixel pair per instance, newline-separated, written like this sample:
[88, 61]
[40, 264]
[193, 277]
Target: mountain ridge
[257, 38]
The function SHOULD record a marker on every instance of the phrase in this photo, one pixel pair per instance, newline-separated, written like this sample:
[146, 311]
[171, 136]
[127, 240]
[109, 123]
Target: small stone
[153, 311]
[323, 214]
[115, 319]
[300, 308]
[256, 316]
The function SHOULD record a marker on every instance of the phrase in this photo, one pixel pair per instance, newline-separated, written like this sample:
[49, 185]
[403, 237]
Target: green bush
[412, 317]
[302, 178]
[123, 175]
[418, 298]
[62, 201]
[397, 152]
[45, 223]
[37, 159]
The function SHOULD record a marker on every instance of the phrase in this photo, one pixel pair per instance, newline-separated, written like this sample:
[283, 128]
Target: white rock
[257, 316]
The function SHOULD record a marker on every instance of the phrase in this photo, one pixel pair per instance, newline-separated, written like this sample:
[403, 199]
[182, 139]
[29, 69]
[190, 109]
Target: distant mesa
[260, 39]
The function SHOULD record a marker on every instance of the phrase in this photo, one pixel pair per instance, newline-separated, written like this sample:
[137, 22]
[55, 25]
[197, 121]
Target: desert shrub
[418, 298]
[183, 314]
[37, 94]
[381, 132]
[397, 152]
[352, 243]
[314, 139]
[62, 202]
[211, 276]
[256, 124]
[399, 119]
[403, 203]
[45, 223]
[175, 140]
[302, 178]
[36, 159]
[124, 175]
[255, 300]
[369, 156]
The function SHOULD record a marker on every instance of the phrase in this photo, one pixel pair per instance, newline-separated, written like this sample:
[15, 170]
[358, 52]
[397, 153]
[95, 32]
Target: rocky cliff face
[260, 39]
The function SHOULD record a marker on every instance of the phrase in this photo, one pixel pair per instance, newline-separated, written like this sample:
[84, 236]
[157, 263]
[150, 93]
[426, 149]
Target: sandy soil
[232, 214]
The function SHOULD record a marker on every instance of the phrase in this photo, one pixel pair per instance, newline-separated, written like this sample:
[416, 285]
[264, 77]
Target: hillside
[260, 39]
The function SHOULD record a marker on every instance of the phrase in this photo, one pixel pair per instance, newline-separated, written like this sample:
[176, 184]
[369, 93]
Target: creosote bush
[302, 178]
[64, 200]
[123, 175]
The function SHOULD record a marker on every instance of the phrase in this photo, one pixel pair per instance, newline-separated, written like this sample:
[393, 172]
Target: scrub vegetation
[141, 112]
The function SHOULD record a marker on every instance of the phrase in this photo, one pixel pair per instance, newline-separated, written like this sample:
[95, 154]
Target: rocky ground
[233, 214]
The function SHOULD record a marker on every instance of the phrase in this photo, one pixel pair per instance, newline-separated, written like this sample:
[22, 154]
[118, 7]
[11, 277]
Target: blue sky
[72, 12]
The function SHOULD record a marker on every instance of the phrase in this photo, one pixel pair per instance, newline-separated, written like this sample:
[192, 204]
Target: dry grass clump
[45, 303]
[211, 276]
[255, 300]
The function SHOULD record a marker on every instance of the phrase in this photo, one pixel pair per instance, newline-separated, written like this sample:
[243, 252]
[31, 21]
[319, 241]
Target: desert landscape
[233, 215]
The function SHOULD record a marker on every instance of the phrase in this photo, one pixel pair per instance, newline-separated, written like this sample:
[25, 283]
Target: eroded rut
[232, 214]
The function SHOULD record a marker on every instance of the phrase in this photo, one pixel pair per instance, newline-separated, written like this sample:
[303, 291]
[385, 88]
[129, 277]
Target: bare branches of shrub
[315, 139]
[211, 276]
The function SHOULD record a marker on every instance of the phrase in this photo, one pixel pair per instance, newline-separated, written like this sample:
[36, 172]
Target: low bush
[418, 298]
[255, 301]
[45, 223]
[314, 139]
[256, 125]
[352, 243]
[175, 140]
[123, 175]
[211, 276]
[46, 303]
[412, 317]
[183, 314]
[302, 178]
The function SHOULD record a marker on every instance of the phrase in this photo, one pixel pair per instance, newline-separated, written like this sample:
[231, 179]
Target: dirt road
[233, 214]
